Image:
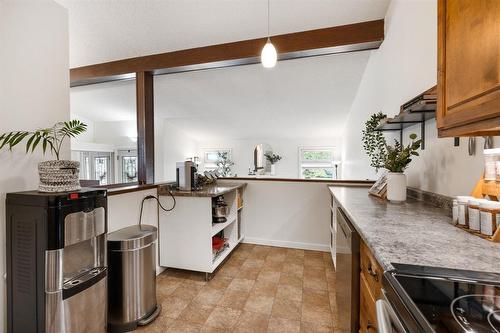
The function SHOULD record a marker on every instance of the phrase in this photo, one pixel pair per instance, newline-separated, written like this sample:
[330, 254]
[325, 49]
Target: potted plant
[273, 159]
[393, 158]
[55, 175]
[396, 161]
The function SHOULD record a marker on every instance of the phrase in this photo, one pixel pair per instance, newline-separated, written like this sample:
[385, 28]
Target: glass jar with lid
[490, 217]
[473, 213]
[463, 214]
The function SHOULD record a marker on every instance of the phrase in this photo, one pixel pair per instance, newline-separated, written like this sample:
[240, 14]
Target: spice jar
[491, 157]
[490, 217]
[463, 218]
[473, 212]
[454, 211]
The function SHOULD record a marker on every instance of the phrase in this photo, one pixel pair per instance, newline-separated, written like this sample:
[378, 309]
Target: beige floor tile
[183, 327]
[186, 291]
[209, 296]
[251, 322]
[166, 288]
[314, 262]
[279, 325]
[172, 307]
[271, 276]
[315, 283]
[159, 325]
[314, 272]
[289, 292]
[287, 309]
[295, 253]
[276, 257]
[196, 313]
[253, 263]
[315, 328]
[241, 284]
[208, 329]
[234, 299]
[228, 271]
[294, 269]
[290, 279]
[249, 273]
[259, 304]
[316, 314]
[223, 318]
[315, 297]
[272, 266]
[265, 288]
[219, 282]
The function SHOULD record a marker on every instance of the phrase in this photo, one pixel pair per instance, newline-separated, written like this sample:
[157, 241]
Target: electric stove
[437, 300]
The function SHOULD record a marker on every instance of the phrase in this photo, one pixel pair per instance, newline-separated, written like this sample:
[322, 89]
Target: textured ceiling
[105, 30]
[306, 98]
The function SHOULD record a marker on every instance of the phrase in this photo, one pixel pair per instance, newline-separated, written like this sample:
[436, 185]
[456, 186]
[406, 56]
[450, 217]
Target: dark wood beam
[145, 127]
[345, 38]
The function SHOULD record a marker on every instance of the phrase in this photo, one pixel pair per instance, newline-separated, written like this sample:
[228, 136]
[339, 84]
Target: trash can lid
[132, 238]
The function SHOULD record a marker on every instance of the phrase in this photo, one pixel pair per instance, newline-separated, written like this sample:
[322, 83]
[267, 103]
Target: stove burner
[472, 311]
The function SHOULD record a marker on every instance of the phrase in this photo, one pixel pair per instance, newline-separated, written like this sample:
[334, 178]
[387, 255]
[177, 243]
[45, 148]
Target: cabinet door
[468, 67]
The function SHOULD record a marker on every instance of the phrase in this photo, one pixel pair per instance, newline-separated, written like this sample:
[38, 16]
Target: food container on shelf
[454, 211]
[490, 217]
[491, 157]
[463, 218]
[473, 213]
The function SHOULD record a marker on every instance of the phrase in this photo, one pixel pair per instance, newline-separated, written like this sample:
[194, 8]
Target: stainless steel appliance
[219, 210]
[132, 278]
[186, 175]
[347, 274]
[436, 300]
[56, 262]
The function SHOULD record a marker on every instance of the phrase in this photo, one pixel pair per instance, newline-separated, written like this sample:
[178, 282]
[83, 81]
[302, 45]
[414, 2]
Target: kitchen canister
[490, 217]
[454, 211]
[463, 218]
[473, 214]
[491, 157]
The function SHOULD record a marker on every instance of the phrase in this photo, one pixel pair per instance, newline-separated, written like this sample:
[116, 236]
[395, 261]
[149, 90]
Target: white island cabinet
[186, 232]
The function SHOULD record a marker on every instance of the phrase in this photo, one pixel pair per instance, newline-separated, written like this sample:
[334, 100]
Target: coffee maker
[187, 177]
[56, 262]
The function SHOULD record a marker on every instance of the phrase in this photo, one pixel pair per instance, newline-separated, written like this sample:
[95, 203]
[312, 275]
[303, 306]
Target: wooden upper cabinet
[468, 68]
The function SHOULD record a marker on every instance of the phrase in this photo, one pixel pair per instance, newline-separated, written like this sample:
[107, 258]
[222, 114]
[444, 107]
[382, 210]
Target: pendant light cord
[268, 14]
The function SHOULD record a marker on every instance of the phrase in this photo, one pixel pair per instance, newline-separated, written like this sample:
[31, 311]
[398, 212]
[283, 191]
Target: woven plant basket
[59, 176]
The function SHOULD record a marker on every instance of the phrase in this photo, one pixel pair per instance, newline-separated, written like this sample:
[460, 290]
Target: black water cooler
[56, 262]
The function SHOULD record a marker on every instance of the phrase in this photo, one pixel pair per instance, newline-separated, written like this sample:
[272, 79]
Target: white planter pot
[59, 176]
[396, 186]
[273, 169]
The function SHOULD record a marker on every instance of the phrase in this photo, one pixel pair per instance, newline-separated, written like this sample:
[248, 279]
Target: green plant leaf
[37, 140]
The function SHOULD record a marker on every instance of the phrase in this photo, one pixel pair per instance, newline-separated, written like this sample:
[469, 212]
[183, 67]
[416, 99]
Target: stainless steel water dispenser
[56, 262]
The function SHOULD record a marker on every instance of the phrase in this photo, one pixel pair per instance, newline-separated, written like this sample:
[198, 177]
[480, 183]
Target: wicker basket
[59, 176]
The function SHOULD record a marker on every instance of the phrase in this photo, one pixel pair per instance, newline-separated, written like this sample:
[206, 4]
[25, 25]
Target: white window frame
[209, 165]
[316, 163]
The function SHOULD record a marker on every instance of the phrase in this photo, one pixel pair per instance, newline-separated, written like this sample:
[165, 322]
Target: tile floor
[258, 289]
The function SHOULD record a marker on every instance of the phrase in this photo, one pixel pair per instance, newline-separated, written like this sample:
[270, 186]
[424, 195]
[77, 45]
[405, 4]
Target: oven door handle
[387, 320]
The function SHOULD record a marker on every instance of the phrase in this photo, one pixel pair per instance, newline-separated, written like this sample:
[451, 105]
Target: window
[127, 161]
[316, 163]
[96, 165]
[210, 157]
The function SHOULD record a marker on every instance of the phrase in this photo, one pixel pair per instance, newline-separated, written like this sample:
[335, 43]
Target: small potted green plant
[55, 175]
[273, 159]
[395, 159]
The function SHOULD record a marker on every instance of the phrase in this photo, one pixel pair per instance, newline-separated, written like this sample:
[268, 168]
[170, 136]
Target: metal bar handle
[383, 317]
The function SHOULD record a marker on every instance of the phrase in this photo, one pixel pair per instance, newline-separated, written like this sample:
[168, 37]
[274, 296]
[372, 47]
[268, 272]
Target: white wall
[34, 92]
[171, 145]
[288, 149]
[287, 214]
[404, 66]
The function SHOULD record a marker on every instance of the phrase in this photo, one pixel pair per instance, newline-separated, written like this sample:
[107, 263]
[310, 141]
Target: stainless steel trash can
[132, 278]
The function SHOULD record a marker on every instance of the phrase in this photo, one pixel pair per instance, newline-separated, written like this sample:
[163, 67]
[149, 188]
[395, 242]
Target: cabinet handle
[372, 272]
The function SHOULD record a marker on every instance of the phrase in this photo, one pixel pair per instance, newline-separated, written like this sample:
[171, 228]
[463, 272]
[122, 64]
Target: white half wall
[34, 93]
[403, 67]
[286, 214]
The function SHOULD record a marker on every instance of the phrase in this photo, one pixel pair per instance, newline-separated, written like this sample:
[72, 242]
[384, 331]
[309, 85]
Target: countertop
[206, 191]
[415, 233]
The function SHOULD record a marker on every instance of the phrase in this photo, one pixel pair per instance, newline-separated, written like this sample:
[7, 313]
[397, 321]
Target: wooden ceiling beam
[339, 39]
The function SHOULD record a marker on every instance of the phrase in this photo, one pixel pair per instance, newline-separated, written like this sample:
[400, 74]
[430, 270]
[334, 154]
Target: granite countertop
[415, 233]
[206, 191]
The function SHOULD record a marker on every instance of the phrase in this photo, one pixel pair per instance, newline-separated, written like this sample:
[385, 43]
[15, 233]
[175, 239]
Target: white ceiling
[105, 30]
[303, 98]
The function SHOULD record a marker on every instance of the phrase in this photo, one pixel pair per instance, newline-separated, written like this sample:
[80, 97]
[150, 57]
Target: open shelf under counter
[185, 233]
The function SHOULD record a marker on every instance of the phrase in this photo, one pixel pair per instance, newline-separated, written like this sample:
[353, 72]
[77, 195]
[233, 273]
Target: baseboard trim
[293, 245]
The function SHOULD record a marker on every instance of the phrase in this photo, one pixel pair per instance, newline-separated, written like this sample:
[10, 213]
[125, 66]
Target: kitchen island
[186, 232]
[414, 232]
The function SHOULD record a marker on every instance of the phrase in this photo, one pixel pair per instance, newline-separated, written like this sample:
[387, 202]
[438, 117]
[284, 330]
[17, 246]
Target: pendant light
[268, 56]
